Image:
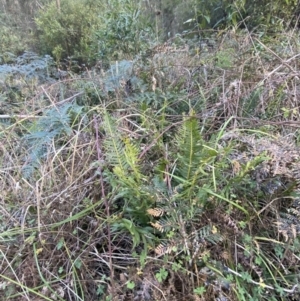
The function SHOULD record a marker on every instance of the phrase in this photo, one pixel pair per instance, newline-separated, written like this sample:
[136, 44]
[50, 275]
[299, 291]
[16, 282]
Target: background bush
[68, 30]
[11, 38]
[193, 15]
[126, 29]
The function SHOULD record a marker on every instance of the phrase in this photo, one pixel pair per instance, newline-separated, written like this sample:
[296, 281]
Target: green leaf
[129, 225]
[60, 243]
[161, 275]
[200, 290]
[227, 200]
[130, 285]
[78, 263]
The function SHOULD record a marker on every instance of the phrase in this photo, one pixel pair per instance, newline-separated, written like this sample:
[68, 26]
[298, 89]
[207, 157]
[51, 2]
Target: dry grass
[57, 238]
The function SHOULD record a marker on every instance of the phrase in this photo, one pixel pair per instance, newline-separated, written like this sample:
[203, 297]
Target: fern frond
[162, 225]
[295, 212]
[157, 226]
[121, 153]
[189, 143]
[131, 152]
[114, 154]
[163, 249]
[156, 212]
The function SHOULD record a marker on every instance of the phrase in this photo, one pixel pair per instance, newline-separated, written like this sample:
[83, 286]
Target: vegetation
[134, 168]
[65, 31]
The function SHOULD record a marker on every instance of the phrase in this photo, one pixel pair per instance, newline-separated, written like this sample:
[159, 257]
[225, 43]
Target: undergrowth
[174, 178]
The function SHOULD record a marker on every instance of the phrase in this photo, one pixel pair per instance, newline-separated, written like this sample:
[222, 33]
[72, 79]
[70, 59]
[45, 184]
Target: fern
[121, 154]
[194, 160]
[163, 225]
[156, 212]
[166, 248]
[131, 153]
[46, 131]
[194, 241]
[178, 206]
[190, 145]
[124, 173]
[113, 144]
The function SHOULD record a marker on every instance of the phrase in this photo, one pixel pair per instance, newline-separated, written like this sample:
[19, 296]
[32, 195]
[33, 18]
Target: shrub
[10, 38]
[68, 30]
[125, 32]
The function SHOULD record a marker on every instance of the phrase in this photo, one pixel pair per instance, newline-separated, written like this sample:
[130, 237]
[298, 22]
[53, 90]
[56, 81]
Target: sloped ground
[176, 180]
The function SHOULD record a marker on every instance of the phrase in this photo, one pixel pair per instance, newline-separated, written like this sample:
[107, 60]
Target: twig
[19, 116]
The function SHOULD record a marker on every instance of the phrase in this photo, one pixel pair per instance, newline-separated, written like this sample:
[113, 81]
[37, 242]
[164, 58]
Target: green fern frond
[114, 147]
[123, 173]
[208, 233]
[131, 152]
[190, 144]
[121, 153]
[163, 225]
